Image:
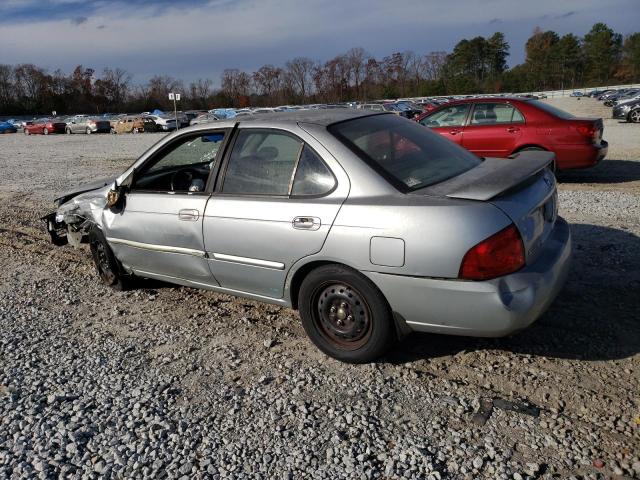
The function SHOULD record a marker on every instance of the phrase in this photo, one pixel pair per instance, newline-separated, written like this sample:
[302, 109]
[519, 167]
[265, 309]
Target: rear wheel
[107, 265]
[88, 131]
[27, 132]
[345, 315]
[67, 131]
[45, 131]
[112, 131]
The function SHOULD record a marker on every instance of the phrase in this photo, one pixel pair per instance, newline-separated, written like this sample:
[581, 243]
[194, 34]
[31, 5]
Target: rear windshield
[407, 154]
[551, 109]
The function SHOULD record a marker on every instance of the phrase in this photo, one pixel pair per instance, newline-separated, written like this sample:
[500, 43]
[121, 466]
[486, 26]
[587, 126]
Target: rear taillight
[500, 254]
[588, 131]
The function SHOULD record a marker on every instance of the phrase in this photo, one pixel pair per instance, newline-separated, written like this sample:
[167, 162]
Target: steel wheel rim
[342, 315]
[102, 261]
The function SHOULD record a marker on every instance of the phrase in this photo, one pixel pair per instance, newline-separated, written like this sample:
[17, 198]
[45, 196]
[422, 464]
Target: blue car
[576, 94]
[6, 127]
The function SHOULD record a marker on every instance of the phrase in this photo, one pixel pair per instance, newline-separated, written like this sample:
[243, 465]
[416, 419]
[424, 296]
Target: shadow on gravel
[609, 171]
[595, 317]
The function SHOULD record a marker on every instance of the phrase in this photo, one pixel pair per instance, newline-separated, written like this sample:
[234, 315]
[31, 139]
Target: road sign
[177, 97]
[171, 96]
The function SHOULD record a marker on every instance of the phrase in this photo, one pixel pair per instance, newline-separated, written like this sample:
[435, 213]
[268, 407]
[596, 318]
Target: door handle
[454, 132]
[188, 215]
[306, 223]
[513, 129]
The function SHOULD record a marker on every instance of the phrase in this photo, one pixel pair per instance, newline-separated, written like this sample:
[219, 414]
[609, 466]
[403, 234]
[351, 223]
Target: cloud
[568, 14]
[200, 38]
[79, 20]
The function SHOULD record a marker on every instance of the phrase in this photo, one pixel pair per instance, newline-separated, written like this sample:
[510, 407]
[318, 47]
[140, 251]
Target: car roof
[490, 99]
[323, 117]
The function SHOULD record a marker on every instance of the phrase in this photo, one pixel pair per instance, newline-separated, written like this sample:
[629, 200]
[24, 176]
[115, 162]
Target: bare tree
[300, 72]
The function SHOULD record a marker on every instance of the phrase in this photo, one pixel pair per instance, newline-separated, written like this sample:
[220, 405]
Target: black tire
[634, 116]
[68, 131]
[345, 315]
[109, 269]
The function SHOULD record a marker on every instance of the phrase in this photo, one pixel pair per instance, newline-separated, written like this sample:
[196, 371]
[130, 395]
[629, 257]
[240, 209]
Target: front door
[159, 230]
[448, 121]
[493, 130]
[274, 205]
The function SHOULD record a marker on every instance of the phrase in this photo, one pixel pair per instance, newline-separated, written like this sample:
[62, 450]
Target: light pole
[176, 98]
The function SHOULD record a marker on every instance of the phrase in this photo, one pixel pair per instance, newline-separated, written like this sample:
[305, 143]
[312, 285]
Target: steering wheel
[181, 179]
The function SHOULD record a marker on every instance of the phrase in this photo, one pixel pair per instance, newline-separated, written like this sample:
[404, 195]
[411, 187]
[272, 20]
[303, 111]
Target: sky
[190, 39]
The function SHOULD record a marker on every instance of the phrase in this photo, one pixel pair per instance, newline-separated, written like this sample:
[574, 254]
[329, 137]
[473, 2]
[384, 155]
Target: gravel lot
[171, 382]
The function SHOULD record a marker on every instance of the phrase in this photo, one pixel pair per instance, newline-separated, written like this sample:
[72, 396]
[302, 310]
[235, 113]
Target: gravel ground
[171, 382]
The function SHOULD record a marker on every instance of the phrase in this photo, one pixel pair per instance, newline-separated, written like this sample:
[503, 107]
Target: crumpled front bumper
[57, 229]
[492, 308]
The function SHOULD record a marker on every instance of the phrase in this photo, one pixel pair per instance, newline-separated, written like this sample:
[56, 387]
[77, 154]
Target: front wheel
[634, 116]
[345, 315]
[107, 265]
[88, 131]
[45, 131]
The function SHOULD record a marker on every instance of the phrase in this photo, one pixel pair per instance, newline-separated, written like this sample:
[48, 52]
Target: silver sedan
[368, 224]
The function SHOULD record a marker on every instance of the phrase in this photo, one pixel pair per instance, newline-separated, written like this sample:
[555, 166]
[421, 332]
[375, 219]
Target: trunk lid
[521, 186]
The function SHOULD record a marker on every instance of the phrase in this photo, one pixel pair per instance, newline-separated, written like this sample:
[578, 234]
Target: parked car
[576, 94]
[628, 96]
[629, 111]
[162, 123]
[86, 124]
[44, 126]
[500, 127]
[7, 127]
[132, 124]
[204, 118]
[369, 224]
[18, 124]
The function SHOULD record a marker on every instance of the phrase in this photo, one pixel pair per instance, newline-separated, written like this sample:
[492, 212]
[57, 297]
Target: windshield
[552, 110]
[408, 155]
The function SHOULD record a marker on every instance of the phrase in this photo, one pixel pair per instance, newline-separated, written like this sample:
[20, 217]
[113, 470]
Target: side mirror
[114, 196]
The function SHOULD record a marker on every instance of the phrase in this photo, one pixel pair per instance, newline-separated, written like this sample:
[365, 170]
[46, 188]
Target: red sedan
[44, 126]
[499, 127]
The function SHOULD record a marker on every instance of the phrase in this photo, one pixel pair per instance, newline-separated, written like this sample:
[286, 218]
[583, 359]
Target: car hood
[88, 187]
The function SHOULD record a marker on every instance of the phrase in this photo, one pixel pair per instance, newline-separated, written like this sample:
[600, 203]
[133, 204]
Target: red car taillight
[588, 131]
[498, 255]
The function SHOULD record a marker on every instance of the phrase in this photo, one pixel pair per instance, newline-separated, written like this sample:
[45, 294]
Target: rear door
[448, 121]
[493, 129]
[274, 205]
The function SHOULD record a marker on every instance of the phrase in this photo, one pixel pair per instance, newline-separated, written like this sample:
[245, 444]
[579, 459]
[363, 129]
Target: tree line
[476, 65]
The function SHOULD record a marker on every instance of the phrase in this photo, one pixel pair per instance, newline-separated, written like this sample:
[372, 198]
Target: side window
[490, 113]
[452, 116]
[183, 167]
[262, 163]
[313, 177]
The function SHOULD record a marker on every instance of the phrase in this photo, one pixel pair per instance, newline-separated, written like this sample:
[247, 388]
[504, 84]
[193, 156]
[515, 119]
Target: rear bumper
[570, 157]
[492, 308]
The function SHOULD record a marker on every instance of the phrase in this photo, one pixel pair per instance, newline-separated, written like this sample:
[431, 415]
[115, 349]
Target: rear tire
[68, 131]
[107, 265]
[45, 131]
[345, 315]
[88, 131]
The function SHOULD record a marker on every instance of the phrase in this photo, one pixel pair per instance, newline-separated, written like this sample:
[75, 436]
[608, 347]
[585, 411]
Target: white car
[163, 124]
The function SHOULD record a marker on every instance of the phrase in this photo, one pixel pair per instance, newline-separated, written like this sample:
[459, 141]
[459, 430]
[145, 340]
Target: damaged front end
[76, 214]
